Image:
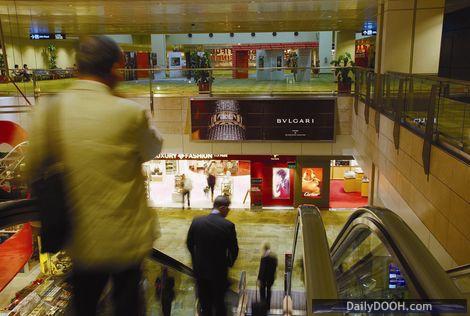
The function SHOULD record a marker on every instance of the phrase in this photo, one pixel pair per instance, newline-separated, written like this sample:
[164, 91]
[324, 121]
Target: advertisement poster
[281, 183]
[312, 179]
[298, 119]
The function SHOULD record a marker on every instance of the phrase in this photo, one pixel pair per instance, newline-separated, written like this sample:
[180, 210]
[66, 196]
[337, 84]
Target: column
[326, 41]
[345, 42]
[158, 42]
[411, 35]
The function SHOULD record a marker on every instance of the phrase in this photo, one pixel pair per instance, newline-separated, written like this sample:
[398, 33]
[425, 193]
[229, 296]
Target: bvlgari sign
[263, 118]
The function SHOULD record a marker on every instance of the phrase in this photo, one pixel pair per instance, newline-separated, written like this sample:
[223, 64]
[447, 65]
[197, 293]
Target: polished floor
[253, 228]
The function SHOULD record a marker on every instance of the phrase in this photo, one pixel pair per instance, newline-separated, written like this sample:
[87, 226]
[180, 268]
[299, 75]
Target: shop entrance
[250, 182]
[349, 186]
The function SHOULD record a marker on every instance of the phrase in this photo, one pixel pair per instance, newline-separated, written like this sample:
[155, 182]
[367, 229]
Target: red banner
[14, 254]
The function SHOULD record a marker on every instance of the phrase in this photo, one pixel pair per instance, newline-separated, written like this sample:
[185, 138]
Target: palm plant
[50, 53]
[344, 68]
[200, 61]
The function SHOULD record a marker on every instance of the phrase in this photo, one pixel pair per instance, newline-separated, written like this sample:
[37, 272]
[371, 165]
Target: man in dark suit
[267, 274]
[212, 242]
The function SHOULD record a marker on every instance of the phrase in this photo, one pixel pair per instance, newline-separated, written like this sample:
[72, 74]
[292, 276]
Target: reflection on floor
[253, 228]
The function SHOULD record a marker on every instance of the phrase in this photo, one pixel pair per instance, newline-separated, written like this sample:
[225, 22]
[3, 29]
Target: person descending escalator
[212, 243]
[267, 274]
[99, 141]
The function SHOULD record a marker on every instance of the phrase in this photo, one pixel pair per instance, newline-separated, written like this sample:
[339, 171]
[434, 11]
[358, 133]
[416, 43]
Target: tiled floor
[253, 228]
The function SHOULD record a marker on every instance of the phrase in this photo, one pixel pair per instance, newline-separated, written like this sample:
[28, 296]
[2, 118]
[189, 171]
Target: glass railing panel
[298, 278]
[362, 85]
[366, 269]
[372, 82]
[453, 115]
[164, 285]
[418, 99]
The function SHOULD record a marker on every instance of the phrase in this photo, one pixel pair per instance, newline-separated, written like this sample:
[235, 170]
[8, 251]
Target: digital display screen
[312, 180]
[395, 278]
[175, 61]
[267, 118]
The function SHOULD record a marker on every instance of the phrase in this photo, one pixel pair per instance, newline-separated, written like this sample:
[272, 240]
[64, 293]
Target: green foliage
[344, 68]
[201, 60]
[50, 54]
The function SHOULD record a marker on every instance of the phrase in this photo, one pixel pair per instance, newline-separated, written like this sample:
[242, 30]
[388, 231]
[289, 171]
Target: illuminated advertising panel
[312, 180]
[281, 183]
[263, 118]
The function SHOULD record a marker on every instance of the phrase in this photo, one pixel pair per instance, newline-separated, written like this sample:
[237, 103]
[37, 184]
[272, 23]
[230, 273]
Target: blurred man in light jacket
[102, 141]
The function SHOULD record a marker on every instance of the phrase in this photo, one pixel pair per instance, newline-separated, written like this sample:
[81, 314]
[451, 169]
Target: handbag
[49, 191]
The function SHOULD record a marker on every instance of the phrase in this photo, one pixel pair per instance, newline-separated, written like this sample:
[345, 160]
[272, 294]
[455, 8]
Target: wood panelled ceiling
[74, 18]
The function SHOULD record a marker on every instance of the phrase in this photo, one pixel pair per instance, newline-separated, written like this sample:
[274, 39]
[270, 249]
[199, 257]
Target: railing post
[429, 131]
[36, 90]
[357, 84]
[398, 113]
[151, 91]
[367, 103]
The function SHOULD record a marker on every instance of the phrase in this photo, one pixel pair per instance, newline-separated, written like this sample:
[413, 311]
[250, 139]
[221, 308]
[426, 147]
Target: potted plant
[344, 72]
[200, 61]
[50, 56]
[3, 76]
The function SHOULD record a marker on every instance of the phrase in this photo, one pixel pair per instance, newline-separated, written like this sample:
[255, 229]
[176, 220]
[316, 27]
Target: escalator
[375, 256]
[52, 294]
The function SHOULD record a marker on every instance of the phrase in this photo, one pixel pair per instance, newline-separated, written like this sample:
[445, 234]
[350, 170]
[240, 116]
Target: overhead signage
[369, 29]
[263, 118]
[47, 36]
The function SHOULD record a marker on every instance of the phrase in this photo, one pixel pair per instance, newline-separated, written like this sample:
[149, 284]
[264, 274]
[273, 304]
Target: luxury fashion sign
[294, 119]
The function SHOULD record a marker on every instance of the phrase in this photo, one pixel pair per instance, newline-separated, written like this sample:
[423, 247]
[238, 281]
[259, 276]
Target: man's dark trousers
[265, 292]
[88, 286]
[211, 297]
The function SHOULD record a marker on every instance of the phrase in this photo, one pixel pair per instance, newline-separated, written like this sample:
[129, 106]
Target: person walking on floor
[267, 274]
[211, 184]
[187, 187]
[103, 141]
[212, 242]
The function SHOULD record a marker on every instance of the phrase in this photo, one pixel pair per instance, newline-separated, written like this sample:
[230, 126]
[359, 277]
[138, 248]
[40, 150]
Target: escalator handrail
[459, 271]
[25, 210]
[428, 277]
[170, 262]
[319, 278]
[18, 212]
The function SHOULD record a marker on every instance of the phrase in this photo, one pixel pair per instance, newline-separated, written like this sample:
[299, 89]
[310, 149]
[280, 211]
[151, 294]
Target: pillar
[411, 35]
[325, 45]
[345, 42]
[158, 42]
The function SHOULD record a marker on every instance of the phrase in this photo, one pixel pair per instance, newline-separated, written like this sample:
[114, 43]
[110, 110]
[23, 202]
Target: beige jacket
[103, 140]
